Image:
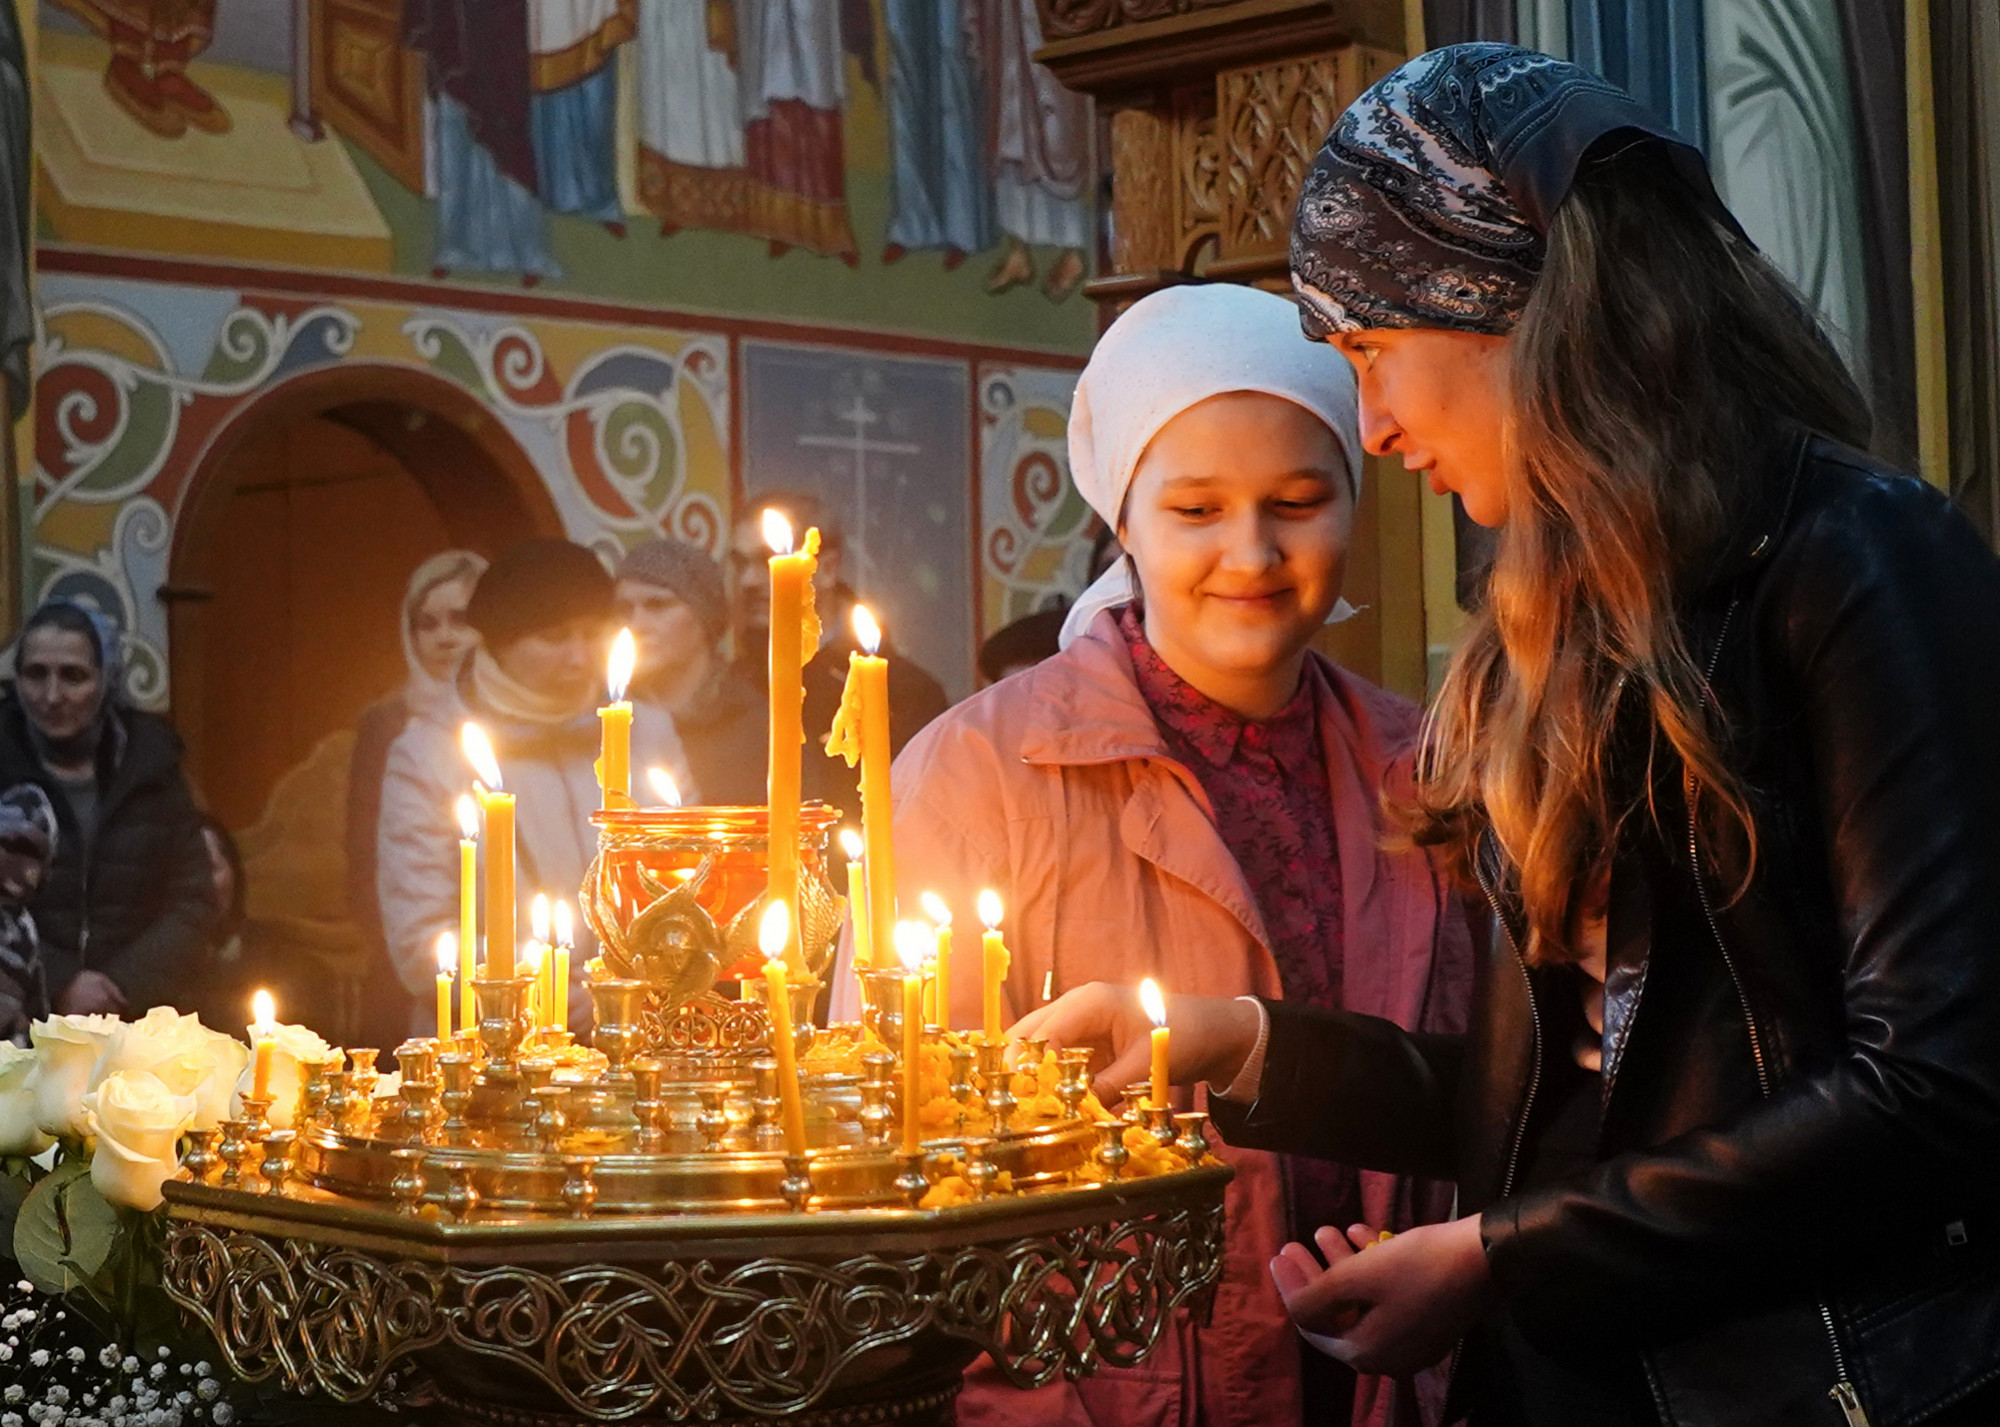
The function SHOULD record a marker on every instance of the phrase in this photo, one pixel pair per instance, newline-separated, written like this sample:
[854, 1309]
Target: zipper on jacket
[1842, 1392]
[1535, 1021]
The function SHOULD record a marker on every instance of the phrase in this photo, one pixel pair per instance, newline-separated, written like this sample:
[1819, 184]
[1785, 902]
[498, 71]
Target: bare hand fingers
[1332, 1244]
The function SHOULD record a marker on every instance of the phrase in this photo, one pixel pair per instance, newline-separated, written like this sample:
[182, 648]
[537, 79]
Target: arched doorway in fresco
[302, 524]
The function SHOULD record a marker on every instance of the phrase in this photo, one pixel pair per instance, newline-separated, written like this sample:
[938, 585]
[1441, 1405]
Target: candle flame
[664, 787]
[538, 917]
[989, 909]
[774, 930]
[936, 910]
[913, 944]
[851, 844]
[263, 1012]
[447, 952]
[1153, 1001]
[867, 630]
[618, 672]
[479, 753]
[565, 925]
[531, 957]
[777, 532]
[468, 817]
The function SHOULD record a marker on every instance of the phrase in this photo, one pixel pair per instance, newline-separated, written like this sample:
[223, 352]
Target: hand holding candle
[498, 808]
[614, 762]
[912, 941]
[447, 955]
[940, 916]
[468, 911]
[773, 933]
[995, 960]
[263, 1035]
[1156, 1011]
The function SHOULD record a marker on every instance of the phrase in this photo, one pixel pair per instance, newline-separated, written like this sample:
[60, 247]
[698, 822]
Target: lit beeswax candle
[447, 953]
[565, 945]
[263, 1035]
[940, 915]
[861, 735]
[1156, 1011]
[614, 762]
[774, 935]
[912, 941]
[857, 899]
[794, 639]
[468, 911]
[538, 942]
[498, 808]
[994, 964]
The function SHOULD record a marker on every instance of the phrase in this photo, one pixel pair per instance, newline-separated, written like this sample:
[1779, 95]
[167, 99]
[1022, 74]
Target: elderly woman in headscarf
[1189, 791]
[127, 907]
[436, 640]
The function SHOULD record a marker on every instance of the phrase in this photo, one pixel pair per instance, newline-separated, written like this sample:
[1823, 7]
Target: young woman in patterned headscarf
[1718, 747]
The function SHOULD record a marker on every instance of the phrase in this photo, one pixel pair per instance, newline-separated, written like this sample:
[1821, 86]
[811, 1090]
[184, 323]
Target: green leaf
[13, 1193]
[65, 1232]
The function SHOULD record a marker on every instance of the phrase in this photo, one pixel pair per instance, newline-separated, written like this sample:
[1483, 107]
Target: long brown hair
[1657, 356]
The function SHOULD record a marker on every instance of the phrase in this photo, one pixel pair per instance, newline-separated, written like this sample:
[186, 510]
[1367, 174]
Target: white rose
[137, 1122]
[68, 1047]
[19, 1134]
[189, 1058]
[293, 1044]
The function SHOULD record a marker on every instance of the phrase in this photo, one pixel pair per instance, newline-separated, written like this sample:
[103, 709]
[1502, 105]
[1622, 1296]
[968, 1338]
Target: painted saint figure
[691, 172]
[792, 68]
[573, 103]
[1038, 149]
[151, 43]
[939, 197]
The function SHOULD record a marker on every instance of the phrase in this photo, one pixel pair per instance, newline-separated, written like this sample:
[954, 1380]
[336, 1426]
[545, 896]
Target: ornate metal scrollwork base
[699, 1340]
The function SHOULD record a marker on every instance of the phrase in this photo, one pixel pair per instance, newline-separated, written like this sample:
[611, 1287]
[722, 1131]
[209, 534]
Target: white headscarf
[1169, 351]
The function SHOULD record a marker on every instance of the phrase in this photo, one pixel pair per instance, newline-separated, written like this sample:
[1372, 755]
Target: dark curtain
[1873, 39]
[17, 321]
[1965, 59]
[1651, 47]
[1453, 22]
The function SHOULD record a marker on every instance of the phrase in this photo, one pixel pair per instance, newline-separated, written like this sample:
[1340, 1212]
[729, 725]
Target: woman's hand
[1398, 1306]
[90, 993]
[1212, 1036]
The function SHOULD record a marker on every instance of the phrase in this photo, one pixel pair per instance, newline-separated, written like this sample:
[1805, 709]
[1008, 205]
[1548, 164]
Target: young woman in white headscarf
[1189, 791]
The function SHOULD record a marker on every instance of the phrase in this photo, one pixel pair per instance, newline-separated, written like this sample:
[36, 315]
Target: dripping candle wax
[614, 761]
[994, 961]
[447, 954]
[860, 734]
[263, 1034]
[468, 911]
[940, 915]
[774, 933]
[912, 941]
[794, 626]
[498, 808]
[1156, 1011]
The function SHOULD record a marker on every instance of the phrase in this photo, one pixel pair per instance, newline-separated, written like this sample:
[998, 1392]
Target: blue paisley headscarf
[1429, 204]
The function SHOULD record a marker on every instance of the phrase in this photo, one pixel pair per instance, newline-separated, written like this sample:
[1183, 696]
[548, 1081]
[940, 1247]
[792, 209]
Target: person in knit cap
[534, 683]
[1189, 791]
[670, 595]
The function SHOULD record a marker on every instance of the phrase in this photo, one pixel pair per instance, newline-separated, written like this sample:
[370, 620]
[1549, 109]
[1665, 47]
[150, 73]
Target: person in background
[436, 641]
[27, 844]
[670, 595]
[1021, 645]
[915, 698]
[534, 684]
[1189, 791]
[128, 906]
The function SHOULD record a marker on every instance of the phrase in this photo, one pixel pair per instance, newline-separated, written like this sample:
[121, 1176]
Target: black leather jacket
[1798, 1171]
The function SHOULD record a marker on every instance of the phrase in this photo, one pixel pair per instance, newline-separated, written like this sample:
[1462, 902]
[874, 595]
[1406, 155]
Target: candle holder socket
[501, 1028]
[407, 1188]
[315, 1086]
[796, 1186]
[1111, 1153]
[1193, 1137]
[713, 1117]
[766, 1105]
[551, 1122]
[912, 1183]
[422, 1116]
[201, 1161]
[417, 1058]
[997, 1083]
[277, 1165]
[649, 1106]
[256, 1117]
[579, 1191]
[233, 1151]
[980, 1171]
[615, 1001]
[800, 994]
[878, 1079]
[461, 1196]
[882, 1003]
[961, 1058]
[1160, 1121]
[1072, 1079]
[456, 1069]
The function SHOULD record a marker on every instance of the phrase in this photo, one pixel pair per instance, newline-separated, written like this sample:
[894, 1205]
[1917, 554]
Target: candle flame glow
[664, 787]
[263, 1012]
[913, 944]
[538, 917]
[867, 630]
[989, 908]
[774, 930]
[777, 532]
[618, 672]
[468, 817]
[935, 909]
[565, 925]
[531, 957]
[447, 952]
[479, 753]
[851, 844]
[1153, 1001]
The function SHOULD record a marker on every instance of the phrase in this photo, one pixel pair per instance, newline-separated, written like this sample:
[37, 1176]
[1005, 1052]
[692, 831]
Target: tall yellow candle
[794, 639]
[857, 899]
[538, 938]
[994, 965]
[263, 1035]
[861, 735]
[468, 911]
[940, 916]
[498, 810]
[447, 954]
[911, 944]
[774, 934]
[614, 761]
[565, 945]
[1156, 1011]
